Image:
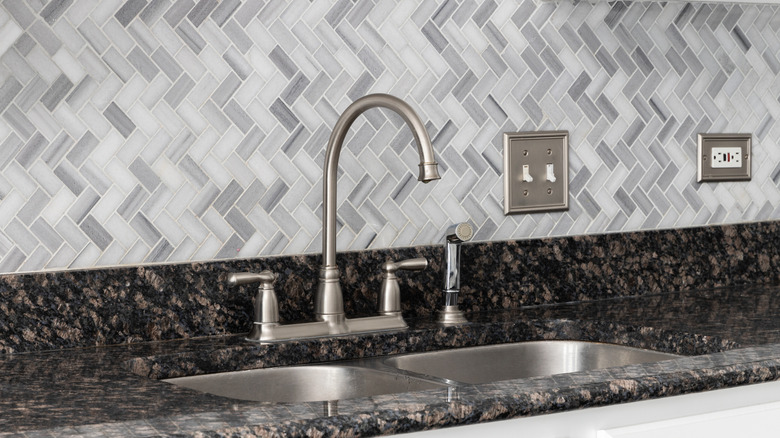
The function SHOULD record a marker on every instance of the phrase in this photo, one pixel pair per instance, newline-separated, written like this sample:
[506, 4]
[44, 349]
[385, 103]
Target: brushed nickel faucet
[329, 300]
[453, 237]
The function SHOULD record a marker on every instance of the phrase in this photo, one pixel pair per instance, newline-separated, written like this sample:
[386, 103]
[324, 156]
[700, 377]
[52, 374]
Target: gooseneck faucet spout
[329, 302]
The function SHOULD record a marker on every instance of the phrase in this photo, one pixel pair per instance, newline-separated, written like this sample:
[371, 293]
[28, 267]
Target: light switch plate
[724, 157]
[536, 171]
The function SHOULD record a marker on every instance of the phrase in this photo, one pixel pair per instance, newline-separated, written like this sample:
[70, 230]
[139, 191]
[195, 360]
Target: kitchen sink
[417, 371]
[492, 363]
[304, 383]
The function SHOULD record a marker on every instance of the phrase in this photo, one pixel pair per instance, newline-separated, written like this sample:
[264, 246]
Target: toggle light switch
[550, 172]
[526, 174]
[536, 169]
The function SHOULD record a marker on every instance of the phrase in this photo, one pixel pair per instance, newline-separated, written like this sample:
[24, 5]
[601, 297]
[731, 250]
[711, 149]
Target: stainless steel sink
[493, 363]
[417, 371]
[304, 383]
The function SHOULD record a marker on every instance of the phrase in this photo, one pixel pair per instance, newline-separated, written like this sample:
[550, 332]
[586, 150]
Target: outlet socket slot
[536, 171]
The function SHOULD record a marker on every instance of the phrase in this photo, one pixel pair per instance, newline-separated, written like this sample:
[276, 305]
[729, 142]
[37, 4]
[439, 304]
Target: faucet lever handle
[390, 295]
[266, 304]
[417, 264]
[266, 279]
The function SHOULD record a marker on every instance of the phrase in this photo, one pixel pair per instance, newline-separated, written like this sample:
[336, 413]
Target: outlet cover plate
[545, 156]
[717, 160]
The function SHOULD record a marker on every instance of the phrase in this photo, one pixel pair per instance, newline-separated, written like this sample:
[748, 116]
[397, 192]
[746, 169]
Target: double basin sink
[417, 371]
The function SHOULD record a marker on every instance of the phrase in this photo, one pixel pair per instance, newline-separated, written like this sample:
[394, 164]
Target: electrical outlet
[536, 171]
[724, 157]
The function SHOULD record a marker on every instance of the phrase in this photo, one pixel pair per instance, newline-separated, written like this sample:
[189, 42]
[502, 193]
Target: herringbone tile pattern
[172, 130]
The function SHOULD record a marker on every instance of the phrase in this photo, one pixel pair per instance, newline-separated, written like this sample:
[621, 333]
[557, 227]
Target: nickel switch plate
[536, 171]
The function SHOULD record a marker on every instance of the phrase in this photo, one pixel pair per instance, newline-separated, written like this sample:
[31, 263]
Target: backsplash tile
[136, 132]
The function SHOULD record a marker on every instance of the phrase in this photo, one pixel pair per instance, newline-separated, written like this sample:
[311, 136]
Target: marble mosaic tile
[133, 128]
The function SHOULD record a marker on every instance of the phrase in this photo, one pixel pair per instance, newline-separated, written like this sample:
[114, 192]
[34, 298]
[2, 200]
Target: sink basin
[303, 383]
[493, 363]
[417, 371]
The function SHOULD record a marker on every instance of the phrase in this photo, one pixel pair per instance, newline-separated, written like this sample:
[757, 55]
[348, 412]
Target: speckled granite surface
[69, 309]
[92, 392]
[711, 292]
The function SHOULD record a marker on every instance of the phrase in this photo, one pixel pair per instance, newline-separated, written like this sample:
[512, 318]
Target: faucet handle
[266, 304]
[390, 295]
[266, 278]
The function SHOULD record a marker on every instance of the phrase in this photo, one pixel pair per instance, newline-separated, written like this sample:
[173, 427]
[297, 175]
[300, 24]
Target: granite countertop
[105, 390]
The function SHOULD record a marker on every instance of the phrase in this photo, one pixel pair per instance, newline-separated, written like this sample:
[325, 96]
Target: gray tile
[238, 116]
[54, 10]
[19, 122]
[47, 235]
[178, 11]
[143, 64]
[20, 236]
[338, 12]
[145, 174]
[247, 12]
[129, 11]
[434, 36]
[284, 115]
[83, 205]
[361, 86]
[499, 67]
[273, 195]
[215, 116]
[56, 92]
[160, 253]
[241, 225]
[231, 247]
[251, 196]
[250, 142]
[642, 61]
[179, 91]
[237, 62]
[119, 120]
[359, 13]
[228, 197]
[193, 172]
[70, 177]
[32, 150]
[57, 149]
[34, 206]
[283, 62]
[237, 35]
[191, 37]
[204, 199]
[9, 148]
[45, 37]
[31, 93]
[96, 233]
[20, 12]
[535, 63]
[133, 202]
[94, 36]
[118, 64]
[201, 11]
[224, 11]
[24, 44]
[13, 260]
[8, 91]
[484, 12]
[225, 91]
[148, 232]
[154, 10]
[167, 64]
